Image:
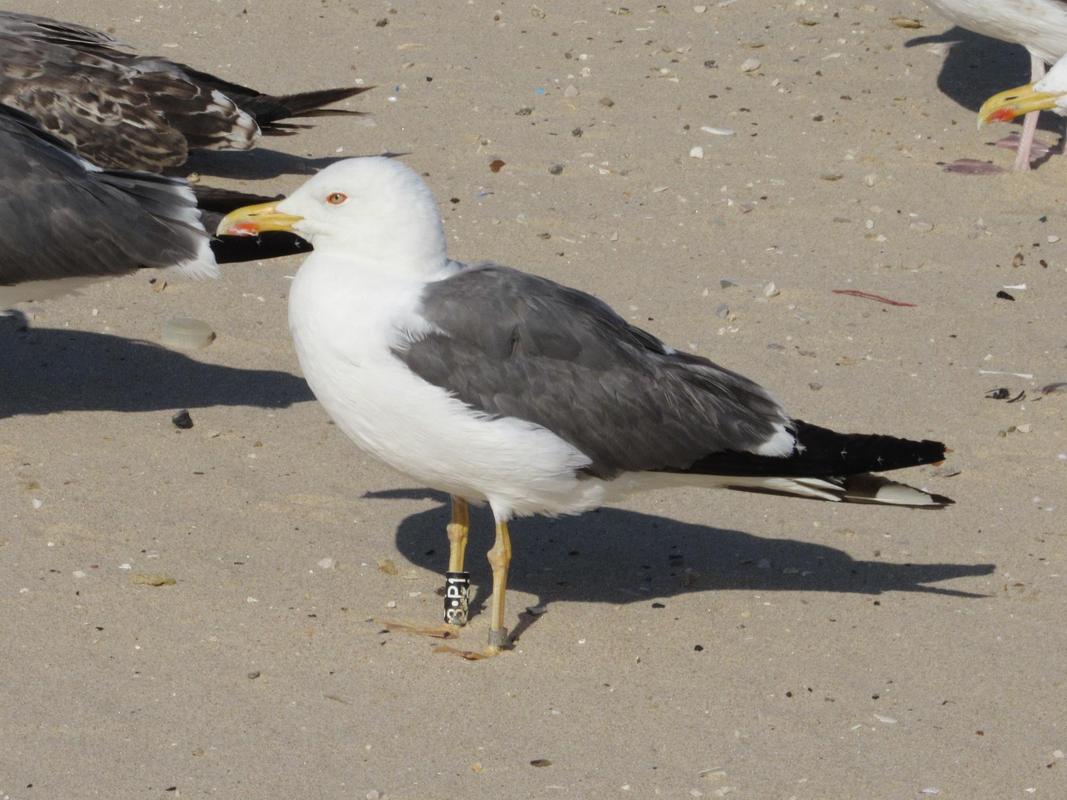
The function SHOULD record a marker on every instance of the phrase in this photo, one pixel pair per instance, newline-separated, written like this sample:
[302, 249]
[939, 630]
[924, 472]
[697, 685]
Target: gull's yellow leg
[457, 582]
[458, 529]
[499, 559]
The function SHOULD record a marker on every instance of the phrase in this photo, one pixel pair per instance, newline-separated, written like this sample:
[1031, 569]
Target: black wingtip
[268, 109]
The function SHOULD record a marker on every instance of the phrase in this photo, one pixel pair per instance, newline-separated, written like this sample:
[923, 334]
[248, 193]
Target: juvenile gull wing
[513, 344]
[122, 110]
[115, 114]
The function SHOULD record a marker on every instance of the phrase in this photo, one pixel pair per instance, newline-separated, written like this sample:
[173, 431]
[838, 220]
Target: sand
[695, 643]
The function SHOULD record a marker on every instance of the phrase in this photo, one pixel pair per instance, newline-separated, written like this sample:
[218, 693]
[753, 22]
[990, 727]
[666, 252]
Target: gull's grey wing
[512, 344]
[61, 217]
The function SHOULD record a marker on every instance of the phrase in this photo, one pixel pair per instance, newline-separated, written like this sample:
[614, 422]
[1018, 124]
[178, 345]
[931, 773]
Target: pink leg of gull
[1022, 156]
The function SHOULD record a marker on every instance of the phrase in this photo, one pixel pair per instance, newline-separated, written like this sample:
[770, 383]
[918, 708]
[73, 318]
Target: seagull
[1038, 25]
[124, 111]
[66, 222]
[501, 387]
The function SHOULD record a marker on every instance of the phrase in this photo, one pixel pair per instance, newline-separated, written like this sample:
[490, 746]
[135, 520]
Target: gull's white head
[373, 211]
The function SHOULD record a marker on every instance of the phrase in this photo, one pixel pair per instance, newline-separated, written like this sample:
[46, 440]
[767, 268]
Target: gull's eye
[337, 198]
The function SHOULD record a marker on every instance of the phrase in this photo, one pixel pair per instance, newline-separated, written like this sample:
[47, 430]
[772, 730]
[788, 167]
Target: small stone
[374, 794]
[152, 580]
[540, 762]
[254, 674]
[770, 290]
[537, 610]
[182, 420]
[921, 226]
[1053, 239]
[387, 566]
[391, 604]
[750, 65]
[906, 22]
[722, 311]
[37, 503]
[555, 169]
[325, 563]
[607, 102]
[815, 386]
[870, 180]
[696, 152]
[187, 334]
[700, 9]
[570, 91]
[1026, 427]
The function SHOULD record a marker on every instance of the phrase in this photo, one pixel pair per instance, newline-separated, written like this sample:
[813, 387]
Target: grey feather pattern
[512, 344]
[61, 219]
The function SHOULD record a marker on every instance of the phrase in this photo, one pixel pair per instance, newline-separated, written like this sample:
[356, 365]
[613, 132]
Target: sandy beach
[718, 173]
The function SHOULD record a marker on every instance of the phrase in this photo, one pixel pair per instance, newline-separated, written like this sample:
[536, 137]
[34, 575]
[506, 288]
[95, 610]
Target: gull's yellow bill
[254, 220]
[1008, 105]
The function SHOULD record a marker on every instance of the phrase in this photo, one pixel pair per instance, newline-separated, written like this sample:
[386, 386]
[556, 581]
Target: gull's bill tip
[254, 220]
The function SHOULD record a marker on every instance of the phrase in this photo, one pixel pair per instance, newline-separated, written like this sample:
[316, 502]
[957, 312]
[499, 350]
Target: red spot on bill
[243, 229]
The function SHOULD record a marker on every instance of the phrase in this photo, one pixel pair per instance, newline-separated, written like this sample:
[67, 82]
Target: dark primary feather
[513, 344]
[267, 109]
[823, 453]
[126, 111]
[62, 219]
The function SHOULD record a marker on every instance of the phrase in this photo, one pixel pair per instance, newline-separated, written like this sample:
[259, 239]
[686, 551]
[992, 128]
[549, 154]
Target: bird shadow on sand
[977, 67]
[46, 370]
[259, 164]
[616, 556]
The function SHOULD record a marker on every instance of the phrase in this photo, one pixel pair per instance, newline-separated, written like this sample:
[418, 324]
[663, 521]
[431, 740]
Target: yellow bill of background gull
[499, 386]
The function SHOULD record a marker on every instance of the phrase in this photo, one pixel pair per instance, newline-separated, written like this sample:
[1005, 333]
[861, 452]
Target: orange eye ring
[337, 198]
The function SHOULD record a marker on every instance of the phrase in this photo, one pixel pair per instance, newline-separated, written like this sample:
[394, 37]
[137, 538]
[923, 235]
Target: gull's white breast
[344, 323]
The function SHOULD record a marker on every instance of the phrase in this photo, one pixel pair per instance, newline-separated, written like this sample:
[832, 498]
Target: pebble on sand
[187, 333]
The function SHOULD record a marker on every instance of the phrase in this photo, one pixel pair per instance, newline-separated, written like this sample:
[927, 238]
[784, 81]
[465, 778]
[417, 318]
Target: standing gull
[66, 222]
[1038, 25]
[503, 387]
[125, 111]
